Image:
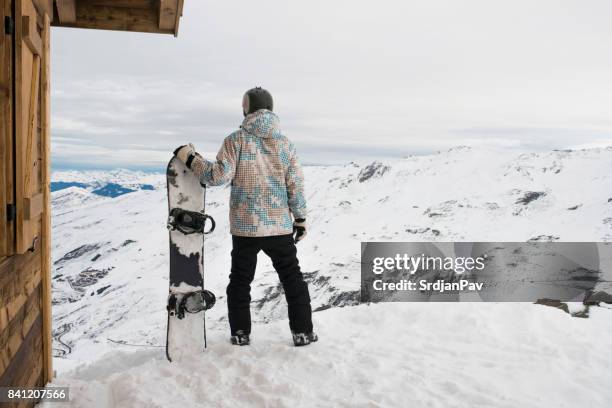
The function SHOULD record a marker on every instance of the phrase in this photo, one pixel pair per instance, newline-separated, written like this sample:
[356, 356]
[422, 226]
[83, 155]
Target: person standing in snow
[267, 190]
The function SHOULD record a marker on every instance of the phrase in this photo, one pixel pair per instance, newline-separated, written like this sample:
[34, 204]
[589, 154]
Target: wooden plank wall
[25, 295]
[21, 336]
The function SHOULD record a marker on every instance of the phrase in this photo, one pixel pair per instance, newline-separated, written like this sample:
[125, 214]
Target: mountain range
[110, 246]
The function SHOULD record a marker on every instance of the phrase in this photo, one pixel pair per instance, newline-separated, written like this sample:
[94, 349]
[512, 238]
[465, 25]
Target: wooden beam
[32, 123]
[45, 111]
[30, 35]
[179, 14]
[44, 7]
[135, 4]
[7, 236]
[148, 16]
[90, 14]
[167, 14]
[66, 10]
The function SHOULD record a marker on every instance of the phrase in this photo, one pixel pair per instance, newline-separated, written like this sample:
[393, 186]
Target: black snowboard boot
[240, 339]
[304, 339]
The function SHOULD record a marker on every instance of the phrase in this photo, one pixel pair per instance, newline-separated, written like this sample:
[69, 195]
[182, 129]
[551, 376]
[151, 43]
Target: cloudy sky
[352, 80]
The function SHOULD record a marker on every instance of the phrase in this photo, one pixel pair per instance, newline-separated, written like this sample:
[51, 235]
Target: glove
[299, 229]
[185, 153]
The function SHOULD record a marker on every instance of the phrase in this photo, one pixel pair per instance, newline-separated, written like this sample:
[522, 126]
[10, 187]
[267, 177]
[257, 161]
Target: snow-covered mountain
[126, 178]
[105, 183]
[110, 257]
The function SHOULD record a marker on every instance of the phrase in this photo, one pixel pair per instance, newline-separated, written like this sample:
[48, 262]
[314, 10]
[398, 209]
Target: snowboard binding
[189, 222]
[194, 302]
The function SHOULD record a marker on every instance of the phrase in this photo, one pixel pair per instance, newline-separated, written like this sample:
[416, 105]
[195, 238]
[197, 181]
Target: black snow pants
[282, 251]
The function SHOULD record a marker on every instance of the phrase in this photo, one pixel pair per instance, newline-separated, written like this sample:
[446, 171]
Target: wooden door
[29, 135]
[31, 163]
[7, 230]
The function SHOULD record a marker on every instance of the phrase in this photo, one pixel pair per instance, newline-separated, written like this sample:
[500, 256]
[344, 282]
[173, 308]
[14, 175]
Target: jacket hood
[262, 123]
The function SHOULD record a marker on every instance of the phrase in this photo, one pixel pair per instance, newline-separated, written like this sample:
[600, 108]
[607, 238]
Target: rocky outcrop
[374, 170]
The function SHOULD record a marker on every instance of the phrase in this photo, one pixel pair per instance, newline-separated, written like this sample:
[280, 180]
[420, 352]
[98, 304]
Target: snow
[126, 178]
[391, 355]
[110, 282]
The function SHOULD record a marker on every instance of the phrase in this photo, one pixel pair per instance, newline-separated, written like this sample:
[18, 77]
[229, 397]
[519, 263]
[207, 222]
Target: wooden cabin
[25, 232]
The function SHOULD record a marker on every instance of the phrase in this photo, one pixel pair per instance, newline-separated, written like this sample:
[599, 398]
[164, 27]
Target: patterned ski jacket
[267, 179]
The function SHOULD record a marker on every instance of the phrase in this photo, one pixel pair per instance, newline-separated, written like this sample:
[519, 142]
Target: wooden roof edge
[179, 14]
[157, 16]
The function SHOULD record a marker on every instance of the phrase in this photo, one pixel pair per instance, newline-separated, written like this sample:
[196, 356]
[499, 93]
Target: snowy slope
[111, 260]
[386, 355]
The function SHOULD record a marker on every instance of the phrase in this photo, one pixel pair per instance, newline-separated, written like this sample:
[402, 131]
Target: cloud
[350, 79]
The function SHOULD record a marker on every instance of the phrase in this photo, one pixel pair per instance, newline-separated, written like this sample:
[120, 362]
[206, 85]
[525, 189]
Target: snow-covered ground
[110, 285]
[384, 355]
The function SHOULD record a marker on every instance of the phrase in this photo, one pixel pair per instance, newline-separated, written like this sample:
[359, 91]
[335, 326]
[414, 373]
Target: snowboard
[187, 298]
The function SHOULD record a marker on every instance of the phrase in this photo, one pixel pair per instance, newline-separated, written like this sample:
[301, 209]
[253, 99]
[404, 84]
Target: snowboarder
[267, 190]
